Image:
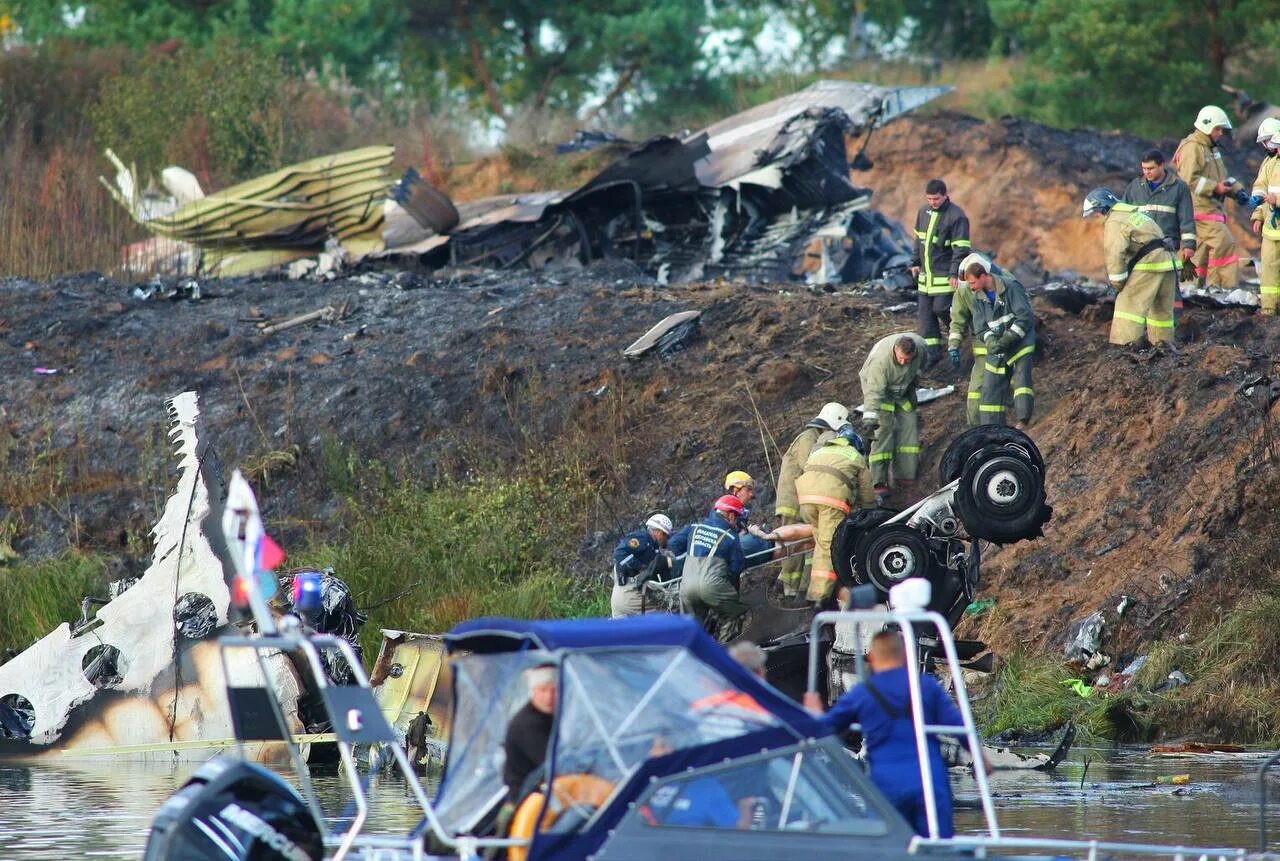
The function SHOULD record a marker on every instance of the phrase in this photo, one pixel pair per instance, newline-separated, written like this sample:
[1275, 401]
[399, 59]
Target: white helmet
[1212, 117]
[831, 416]
[1268, 128]
[660, 522]
[972, 258]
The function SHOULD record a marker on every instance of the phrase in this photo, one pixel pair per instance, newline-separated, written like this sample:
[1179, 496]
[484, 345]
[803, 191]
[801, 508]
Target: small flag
[270, 554]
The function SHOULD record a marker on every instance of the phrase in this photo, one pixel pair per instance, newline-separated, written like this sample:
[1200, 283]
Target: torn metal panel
[145, 674]
[651, 338]
[411, 677]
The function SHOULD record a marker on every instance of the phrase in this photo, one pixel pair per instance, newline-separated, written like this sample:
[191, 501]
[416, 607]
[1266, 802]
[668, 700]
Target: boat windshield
[616, 707]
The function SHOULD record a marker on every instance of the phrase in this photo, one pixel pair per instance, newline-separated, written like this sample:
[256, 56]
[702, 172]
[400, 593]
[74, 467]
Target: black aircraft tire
[844, 543]
[1001, 497]
[986, 436]
[890, 554]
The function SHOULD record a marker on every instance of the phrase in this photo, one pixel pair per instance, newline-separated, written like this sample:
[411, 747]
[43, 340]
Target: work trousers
[626, 601]
[1006, 381]
[1269, 276]
[1144, 306]
[933, 318]
[1216, 260]
[792, 575]
[824, 519]
[707, 592]
[896, 449]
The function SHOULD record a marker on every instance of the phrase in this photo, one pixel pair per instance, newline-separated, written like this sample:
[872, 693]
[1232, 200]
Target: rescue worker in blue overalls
[713, 568]
[881, 704]
[638, 558]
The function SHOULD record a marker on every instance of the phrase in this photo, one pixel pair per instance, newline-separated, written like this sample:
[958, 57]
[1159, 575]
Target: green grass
[39, 596]
[426, 557]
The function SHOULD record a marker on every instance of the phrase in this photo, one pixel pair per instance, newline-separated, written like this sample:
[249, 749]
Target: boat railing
[907, 620]
[981, 846]
[356, 719]
[1262, 800]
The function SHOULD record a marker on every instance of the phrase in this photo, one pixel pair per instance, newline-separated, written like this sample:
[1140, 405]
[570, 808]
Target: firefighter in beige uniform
[890, 409]
[1140, 265]
[835, 483]
[818, 430]
[1266, 218]
[1199, 163]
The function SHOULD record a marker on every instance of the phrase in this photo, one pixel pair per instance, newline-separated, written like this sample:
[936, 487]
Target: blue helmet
[1100, 200]
[855, 439]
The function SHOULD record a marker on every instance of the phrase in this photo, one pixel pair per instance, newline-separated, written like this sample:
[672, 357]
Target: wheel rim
[1003, 487]
[897, 562]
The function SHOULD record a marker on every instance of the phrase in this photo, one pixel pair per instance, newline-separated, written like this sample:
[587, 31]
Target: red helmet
[730, 504]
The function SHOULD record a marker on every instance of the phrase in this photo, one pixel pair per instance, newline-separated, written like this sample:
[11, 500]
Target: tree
[509, 55]
[355, 35]
[1147, 67]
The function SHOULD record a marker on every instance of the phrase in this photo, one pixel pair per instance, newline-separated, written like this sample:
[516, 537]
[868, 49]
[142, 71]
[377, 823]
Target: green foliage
[171, 109]
[491, 544]
[1028, 694]
[309, 34]
[1115, 64]
[39, 596]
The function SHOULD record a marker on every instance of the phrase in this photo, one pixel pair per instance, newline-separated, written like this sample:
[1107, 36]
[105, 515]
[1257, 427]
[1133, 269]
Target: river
[65, 811]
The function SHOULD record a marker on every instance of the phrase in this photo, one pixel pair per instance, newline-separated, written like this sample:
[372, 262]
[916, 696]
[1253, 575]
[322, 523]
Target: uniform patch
[633, 543]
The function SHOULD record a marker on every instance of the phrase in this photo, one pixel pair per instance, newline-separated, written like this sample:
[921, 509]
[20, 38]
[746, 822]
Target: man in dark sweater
[529, 733]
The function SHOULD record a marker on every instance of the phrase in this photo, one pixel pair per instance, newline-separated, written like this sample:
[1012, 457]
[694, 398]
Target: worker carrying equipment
[816, 431]
[890, 408]
[709, 586]
[1266, 220]
[1199, 164]
[996, 311]
[638, 558]
[836, 482]
[1140, 266]
[942, 238]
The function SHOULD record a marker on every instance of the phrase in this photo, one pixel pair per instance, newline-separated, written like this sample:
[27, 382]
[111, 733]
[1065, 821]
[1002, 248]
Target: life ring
[567, 790]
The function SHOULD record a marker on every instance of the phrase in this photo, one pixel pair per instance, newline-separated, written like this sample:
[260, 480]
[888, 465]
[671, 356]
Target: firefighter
[743, 486]
[638, 558]
[1266, 218]
[997, 311]
[942, 239]
[816, 431]
[1199, 163]
[1140, 266]
[836, 481]
[890, 409]
[1162, 195]
[713, 569]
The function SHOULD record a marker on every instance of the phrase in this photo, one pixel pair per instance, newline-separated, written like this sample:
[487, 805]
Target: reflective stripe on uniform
[959, 243]
[991, 370]
[1190, 236]
[1224, 261]
[974, 395]
[991, 408]
[881, 455]
[1132, 318]
[1118, 278]
[1160, 324]
[830, 501]
[979, 351]
[822, 574]
[845, 451]
[908, 449]
[933, 342]
[905, 406]
[1158, 207]
[1270, 291]
[1210, 216]
[785, 511]
[1025, 351]
[1160, 266]
[1024, 390]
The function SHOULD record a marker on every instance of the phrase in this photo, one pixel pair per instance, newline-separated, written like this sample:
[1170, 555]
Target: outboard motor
[235, 810]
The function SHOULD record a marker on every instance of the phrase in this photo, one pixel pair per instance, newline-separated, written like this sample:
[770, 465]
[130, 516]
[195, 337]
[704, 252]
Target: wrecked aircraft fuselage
[143, 678]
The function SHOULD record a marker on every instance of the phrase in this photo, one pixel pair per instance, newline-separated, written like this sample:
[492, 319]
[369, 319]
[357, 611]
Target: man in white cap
[817, 431]
[1199, 164]
[638, 558]
[996, 310]
[529, 733]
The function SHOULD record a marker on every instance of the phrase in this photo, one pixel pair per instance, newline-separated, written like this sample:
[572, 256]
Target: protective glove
[953, 356]
[870, 422]
[1242, 197]
[1008, 342]
[1256, 201]
[990, 339]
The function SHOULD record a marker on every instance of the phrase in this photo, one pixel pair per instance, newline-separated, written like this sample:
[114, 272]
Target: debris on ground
[669, 335]
[1196, 748]
[1085, 638]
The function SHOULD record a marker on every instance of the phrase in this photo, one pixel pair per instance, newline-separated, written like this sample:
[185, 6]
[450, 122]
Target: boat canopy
[649, 694]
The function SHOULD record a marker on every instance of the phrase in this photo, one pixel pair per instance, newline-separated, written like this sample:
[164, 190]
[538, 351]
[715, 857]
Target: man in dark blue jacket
[881, 704]
[638, 558]
[712, 569]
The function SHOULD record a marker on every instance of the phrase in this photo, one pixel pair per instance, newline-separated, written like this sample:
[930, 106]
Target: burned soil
[1161, 466]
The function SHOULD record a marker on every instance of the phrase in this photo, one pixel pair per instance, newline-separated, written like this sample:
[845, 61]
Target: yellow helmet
[738, 478]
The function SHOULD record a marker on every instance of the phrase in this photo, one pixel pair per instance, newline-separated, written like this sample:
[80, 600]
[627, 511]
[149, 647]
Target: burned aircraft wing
[144, 677]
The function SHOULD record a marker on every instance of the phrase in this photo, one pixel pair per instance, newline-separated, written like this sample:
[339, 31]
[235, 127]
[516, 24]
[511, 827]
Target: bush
[39, 596]
[224, 114]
